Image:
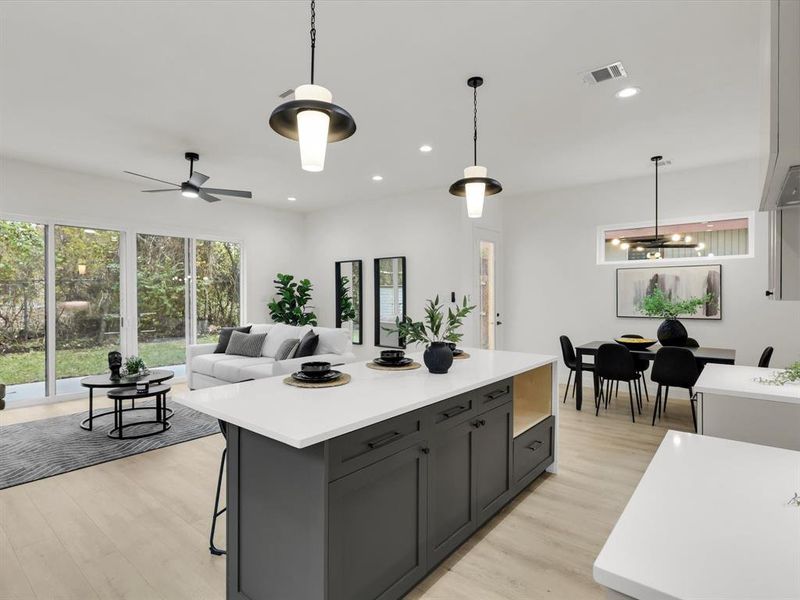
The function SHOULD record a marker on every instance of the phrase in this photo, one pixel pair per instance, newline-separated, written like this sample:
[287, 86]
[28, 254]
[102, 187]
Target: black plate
[404, 362]
[322, 378]
[458, 352]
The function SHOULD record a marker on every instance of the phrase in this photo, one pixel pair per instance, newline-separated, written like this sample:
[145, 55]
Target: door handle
[384, 439]
[498, 322]
[535, 445]
[496, 394]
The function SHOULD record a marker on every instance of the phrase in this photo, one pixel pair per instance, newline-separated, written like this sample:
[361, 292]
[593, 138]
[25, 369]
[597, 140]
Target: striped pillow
[246, 344]
[287, 349]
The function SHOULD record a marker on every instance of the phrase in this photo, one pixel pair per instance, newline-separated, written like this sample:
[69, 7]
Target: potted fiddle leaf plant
[291, 306]
[437, 331]
[671, 332]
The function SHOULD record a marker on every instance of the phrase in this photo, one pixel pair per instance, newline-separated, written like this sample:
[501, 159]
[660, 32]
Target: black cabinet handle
[496, 394]
[454, 411]
[385, 439]
[479, 423]
[425, 450]
[535, 445]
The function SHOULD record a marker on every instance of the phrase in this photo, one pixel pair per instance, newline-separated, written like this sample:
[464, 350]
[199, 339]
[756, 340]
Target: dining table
[703, 355]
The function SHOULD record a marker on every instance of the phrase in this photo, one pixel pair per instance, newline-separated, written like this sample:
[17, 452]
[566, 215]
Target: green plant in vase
[657, 304]
[437, 331]
[135, 365]
[291, 306]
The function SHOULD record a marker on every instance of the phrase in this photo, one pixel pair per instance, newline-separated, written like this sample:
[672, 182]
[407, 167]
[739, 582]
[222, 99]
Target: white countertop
[710, 519]
[302, 417]
[740, 380]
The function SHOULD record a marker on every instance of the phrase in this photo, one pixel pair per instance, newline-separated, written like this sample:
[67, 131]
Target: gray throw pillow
[225, 337]
[287, 349]
[246, 344]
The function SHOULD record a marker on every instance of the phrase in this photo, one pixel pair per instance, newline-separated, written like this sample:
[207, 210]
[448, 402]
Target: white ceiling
[107, 87]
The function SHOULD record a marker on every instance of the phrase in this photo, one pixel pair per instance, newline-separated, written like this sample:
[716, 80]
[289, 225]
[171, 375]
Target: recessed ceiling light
[377, 178]
[628, 92]
[291, 198]
[615, 242]
[425, 148]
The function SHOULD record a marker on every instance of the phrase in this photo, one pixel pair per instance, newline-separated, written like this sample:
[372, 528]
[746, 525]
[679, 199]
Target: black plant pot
[438, 357]
[672, 333]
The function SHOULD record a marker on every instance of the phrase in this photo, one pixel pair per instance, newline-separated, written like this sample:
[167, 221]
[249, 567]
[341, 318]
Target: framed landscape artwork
[678, 283]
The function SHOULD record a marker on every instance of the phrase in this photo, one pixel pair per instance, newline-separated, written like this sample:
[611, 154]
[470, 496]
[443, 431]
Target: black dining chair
[223, 427]
[692, 343]
[641, 364]
[614, 363]
[568, 354]
[766, 356]
[674, 367]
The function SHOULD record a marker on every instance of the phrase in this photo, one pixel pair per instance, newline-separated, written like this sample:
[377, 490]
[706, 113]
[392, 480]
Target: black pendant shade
[459, 188]
[283, 119]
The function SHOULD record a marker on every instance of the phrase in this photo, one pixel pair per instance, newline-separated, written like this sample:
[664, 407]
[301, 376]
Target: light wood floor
[137, 528]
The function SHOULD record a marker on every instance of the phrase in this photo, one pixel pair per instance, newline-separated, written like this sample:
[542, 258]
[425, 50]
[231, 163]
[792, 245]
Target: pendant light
[475, 185]
[311, 118]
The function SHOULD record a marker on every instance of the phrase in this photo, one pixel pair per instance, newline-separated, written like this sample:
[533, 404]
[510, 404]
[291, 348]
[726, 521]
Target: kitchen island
[710, 518]
[732, 403]
[357, 492]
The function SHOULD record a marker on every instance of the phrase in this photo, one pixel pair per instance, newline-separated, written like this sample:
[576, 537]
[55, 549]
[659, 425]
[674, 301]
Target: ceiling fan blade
[237, 193]
[208, 197]
[198, 179]
[153, 178]
[176, 189]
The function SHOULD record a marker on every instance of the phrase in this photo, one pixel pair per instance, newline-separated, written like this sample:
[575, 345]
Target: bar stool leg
[217, 511]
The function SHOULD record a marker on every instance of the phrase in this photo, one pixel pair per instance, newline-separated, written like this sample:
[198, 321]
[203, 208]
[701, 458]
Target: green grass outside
[28, 367]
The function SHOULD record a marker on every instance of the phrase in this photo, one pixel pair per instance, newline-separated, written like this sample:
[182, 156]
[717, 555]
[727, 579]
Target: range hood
[782, 186]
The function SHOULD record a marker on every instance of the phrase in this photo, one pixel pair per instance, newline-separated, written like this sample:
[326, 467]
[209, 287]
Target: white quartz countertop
[710, 518]
[302, 417]
[740, 380]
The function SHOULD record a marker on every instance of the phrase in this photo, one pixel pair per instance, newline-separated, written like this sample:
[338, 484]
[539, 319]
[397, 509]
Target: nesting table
[118, 395]
[154, 378]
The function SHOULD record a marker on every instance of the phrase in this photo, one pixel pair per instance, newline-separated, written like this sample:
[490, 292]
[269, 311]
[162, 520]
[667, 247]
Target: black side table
[159, 392]
[104, 381]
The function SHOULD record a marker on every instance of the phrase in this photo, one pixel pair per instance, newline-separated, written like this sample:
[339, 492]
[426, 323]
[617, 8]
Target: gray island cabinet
[365, 498]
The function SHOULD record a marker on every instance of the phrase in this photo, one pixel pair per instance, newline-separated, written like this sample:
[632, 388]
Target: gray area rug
[39, 449]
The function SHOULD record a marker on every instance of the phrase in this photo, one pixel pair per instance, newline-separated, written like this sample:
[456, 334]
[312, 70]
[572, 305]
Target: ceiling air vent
[607, 73]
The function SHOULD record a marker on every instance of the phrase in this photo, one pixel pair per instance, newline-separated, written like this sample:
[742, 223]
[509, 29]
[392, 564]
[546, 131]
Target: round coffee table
[119, 395]
[155, 376]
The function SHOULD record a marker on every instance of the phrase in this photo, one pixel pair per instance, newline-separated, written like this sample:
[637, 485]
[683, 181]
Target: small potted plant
[790, 374]
[657, 304]
[436, 331]
[135, 366]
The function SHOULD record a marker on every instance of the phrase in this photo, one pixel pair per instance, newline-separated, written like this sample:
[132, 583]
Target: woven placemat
[377, 367]
[343, 380]
[461, 356]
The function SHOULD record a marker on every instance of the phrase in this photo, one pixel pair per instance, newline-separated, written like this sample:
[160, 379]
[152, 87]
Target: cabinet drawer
[453, 410]
[363, 447]
[532, 448]
[490, 396]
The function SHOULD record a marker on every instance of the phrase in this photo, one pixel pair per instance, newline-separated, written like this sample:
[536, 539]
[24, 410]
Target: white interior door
[488, 277]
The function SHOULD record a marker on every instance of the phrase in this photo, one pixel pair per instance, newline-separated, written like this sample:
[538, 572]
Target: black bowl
[317, 368]
[392, 355]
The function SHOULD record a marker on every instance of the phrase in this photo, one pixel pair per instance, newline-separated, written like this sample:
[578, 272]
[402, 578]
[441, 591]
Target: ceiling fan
[193, 187]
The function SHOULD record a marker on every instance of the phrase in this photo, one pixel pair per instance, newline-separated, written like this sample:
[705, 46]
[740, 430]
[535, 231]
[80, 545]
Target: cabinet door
[376, 527]
[493, 460]
[451, 490]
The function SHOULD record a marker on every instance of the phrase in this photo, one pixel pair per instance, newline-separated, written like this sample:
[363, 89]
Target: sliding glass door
[23, 320]
[87, 302]
[217, 287]
[162, 298]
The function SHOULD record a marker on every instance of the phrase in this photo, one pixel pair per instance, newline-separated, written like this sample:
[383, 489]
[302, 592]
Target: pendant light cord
[656, 236]
[313, 36]
[475, 125]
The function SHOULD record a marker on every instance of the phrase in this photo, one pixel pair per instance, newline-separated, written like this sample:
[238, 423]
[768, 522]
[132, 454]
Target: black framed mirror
[390, 299]
[349, 294]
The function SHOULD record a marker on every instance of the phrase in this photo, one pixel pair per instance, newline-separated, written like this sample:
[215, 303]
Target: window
[63, 301]
[23, 320]
[678, 239]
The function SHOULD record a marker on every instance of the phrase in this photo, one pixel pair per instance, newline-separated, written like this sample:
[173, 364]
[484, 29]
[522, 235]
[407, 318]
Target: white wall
[271, 239]
[431, 230]
[555, 287]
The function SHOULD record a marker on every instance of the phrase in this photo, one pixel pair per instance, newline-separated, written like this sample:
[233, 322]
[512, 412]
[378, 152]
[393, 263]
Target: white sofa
[205, 369]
